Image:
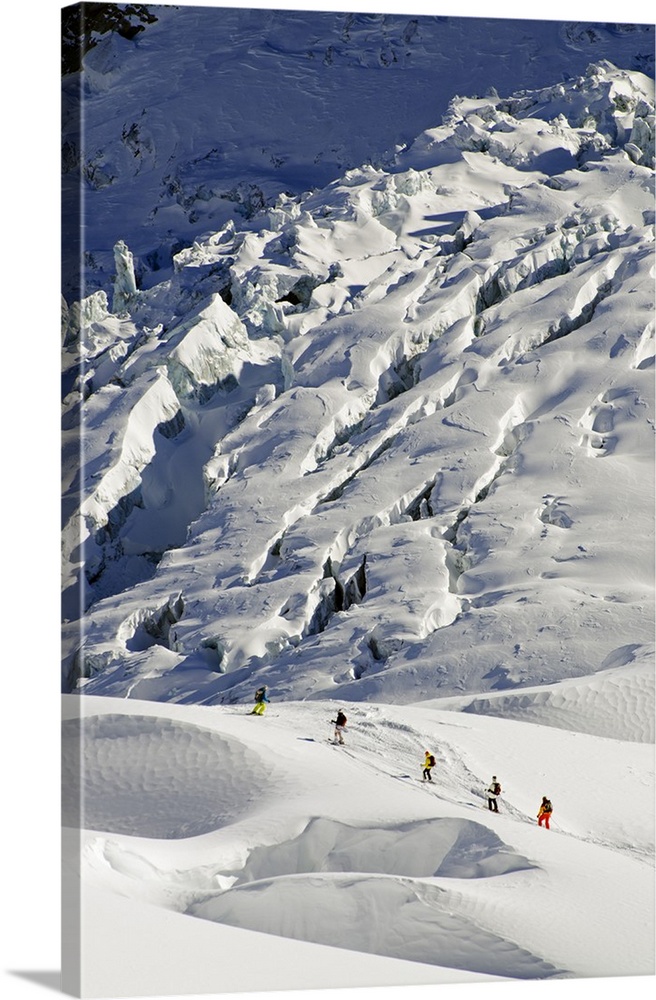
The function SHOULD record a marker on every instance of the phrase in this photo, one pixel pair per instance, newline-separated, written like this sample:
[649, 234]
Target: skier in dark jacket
[544, 812]
[261, 701]
[493, 793]
[340, 725]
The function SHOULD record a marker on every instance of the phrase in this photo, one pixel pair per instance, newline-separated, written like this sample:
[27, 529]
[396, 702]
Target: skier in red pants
[545, 811]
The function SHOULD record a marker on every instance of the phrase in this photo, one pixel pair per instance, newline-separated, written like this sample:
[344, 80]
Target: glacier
[412, 411]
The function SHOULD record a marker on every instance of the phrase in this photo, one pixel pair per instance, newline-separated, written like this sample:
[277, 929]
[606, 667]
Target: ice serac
[393, 439]
[209, 349]
[125, 284]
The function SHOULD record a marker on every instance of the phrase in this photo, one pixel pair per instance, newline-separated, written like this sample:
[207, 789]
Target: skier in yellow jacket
[429, 762]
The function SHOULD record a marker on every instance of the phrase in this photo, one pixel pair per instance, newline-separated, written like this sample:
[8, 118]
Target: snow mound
[407, 871]
[445, 847]
[617, 703]
[385, 916]
[155, 777]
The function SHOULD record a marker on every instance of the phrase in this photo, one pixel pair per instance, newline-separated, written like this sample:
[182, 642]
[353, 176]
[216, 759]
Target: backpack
[431, 761]
[341, 719]
[547, 807]
[497, 788]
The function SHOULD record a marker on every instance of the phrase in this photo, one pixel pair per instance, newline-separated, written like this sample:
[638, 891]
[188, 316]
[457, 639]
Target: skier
[261, 701]
[545, 811]
[340, 725]
[493, 792]
[429, 761]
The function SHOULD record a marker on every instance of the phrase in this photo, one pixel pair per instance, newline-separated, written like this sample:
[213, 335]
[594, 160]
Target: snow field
[347, 847]
[618, 703]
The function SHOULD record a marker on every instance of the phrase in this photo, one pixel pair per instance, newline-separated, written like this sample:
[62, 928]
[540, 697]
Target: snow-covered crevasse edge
[413, 417]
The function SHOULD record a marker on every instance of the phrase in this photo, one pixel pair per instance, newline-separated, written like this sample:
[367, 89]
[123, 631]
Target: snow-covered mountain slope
[193, 116]
[388, 441]
[616, 703]
[347, 847]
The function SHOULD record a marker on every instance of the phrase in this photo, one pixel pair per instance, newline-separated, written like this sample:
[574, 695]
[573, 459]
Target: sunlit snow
[374, 427]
